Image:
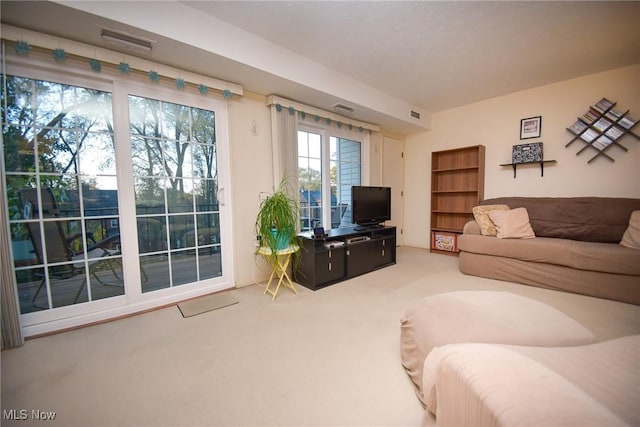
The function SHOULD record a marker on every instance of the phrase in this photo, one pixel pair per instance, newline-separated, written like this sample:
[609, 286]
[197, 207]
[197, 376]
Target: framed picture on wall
[531, 127]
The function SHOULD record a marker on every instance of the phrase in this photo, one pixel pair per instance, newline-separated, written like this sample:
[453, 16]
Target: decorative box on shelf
[444, 241]
[527, 153]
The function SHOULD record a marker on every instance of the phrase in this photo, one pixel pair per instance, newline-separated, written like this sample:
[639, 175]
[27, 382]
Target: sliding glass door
[175, 170]
[115, 196]
[62, 193]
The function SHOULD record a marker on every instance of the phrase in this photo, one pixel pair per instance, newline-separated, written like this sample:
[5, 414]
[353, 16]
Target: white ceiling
[426, 55]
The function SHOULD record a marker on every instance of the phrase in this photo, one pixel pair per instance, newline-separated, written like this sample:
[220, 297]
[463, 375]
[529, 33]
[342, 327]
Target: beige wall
[495, 123]
[251, 174]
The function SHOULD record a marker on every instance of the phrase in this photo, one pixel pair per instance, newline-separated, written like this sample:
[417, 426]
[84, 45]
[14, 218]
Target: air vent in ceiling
[343, 108]
[126, 41]
[415, 114]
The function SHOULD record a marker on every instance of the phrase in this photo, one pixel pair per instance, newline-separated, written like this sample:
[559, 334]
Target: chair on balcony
[337, 212]
[66, 253]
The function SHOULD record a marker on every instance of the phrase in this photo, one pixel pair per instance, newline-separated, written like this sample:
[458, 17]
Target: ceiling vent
[126, 41]
[415, 114]
[343, 108]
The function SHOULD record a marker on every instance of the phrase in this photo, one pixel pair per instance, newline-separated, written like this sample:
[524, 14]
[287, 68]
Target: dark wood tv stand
[343, 253]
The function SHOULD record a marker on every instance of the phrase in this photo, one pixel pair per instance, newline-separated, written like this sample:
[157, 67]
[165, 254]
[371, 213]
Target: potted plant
[277, 221]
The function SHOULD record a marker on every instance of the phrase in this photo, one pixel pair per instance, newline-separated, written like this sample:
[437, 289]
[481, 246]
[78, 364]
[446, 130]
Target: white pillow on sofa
[631, 237]
[512, 224]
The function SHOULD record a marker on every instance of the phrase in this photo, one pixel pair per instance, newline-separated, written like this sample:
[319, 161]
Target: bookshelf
[457, 185]
[602, 127]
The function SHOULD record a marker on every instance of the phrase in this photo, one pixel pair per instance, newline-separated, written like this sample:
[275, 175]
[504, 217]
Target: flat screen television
[370, 205]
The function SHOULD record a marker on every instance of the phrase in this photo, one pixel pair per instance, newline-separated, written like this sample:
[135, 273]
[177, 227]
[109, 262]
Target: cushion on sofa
[631, 237]
[588, 256]
[512, 224]
[592, 219]
[612, 286]
[481, 215]
[482, 316]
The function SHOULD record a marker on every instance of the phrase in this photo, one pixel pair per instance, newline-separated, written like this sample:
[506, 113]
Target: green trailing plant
[277, 221]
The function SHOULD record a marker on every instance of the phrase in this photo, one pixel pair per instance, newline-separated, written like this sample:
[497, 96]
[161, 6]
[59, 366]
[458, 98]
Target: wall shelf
[542, 163]
[602, 127]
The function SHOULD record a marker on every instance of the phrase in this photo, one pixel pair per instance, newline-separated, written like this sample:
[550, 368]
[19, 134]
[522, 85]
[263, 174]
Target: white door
[393, 176]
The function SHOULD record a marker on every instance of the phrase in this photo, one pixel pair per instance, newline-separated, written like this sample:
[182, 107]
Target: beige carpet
[324, 358]
[206, 303]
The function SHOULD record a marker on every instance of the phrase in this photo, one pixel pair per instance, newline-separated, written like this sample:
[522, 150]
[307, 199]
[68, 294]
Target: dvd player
[358, 239]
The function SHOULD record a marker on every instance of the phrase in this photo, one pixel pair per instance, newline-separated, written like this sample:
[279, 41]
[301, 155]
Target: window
[328, 165]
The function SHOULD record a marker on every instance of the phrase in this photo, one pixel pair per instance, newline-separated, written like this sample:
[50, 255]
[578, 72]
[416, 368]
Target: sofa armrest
[471, 227]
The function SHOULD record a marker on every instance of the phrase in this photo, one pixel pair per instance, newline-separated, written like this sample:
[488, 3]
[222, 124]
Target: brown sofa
[576, 248]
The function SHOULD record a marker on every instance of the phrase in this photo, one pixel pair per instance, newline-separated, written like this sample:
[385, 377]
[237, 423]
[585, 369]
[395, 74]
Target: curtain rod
[16, 34]
[313, 111]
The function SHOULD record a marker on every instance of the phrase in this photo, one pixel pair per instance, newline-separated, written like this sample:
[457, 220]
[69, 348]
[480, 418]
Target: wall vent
[343, 108]
[415, 114]
[126, 41]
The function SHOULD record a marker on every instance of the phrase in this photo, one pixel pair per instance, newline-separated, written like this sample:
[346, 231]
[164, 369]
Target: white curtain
[284, 138]
[11, 332]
